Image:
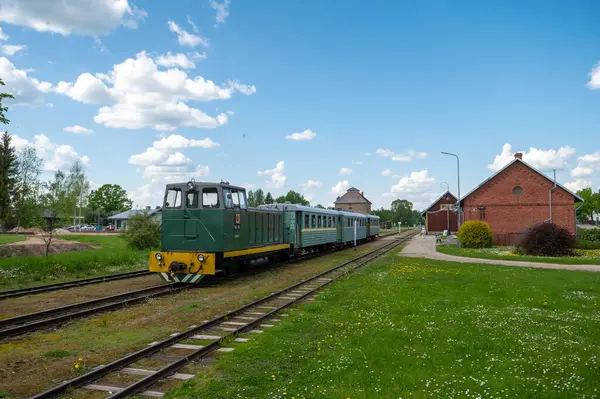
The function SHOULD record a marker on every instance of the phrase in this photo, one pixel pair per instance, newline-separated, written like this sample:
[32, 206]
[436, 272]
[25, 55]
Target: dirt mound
[34, 230]
[35, 246]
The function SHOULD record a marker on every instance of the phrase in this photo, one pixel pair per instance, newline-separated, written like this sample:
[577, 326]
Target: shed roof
[438, 200]
[352, 196]
[126, 214]
[577, 197]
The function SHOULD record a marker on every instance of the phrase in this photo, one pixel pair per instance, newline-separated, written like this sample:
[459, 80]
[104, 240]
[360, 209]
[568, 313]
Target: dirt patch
[35, 246]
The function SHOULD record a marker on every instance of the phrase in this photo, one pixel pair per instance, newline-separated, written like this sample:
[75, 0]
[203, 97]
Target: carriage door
[189, 217]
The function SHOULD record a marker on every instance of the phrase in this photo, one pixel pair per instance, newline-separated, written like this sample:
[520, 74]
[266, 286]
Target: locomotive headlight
[158, 256]
[200, 258]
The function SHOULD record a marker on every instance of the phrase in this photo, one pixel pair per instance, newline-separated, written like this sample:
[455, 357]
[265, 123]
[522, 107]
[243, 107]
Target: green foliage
[401, 211]
[592, 235]
[142, 232]
[109, 199]
[591, 204]
[8, 174]
[27, 188]
[319, 206]
[269, 199]
[256, 198]
[475, 234]
[60, 353]
[547, 239]
[582, 244]
[3, 109]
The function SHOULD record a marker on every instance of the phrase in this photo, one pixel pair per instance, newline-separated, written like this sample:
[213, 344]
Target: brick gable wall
[509, 215]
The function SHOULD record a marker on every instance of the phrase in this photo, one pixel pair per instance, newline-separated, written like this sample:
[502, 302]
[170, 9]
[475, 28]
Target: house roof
[126, 214]
[438, 200]
[352, 196]
[577, 197]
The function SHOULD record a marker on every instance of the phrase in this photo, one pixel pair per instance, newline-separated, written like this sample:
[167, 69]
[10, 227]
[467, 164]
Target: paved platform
[424, 247]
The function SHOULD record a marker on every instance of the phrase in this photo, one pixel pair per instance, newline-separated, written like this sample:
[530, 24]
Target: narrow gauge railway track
[217, 331]
[70, 284]
[19, 325]
[34, 321]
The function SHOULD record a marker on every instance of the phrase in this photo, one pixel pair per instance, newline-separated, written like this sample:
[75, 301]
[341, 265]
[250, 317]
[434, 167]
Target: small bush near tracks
[142, 232]
[475, 234]
[548, 239]
[591, 235]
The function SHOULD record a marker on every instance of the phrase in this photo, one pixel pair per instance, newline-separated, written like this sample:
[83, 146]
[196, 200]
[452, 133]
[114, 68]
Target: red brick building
[517, 197]
[439, 216]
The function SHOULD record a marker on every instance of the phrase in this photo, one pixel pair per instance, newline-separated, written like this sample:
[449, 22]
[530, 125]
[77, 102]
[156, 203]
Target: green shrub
[591, 235]
[548, 239]
[582, 244]
[475, 234]
[142, 232]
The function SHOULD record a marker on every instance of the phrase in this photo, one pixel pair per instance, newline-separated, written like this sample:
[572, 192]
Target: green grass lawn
[111, 256]
[420, 328]
[585, 256]
[10, 238]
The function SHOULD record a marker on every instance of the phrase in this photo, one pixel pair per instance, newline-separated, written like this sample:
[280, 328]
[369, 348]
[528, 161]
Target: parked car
[110, 227]
[87, 227]
[75, 227]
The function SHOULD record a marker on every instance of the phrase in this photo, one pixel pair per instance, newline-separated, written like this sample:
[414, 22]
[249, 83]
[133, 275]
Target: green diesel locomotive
[207, 229]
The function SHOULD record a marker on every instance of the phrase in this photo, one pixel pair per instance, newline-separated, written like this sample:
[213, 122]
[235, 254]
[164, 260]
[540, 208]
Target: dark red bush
[548, 239]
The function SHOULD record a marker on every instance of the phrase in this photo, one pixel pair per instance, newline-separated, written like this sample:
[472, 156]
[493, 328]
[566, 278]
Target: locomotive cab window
[210, 197]
[173, 198]
[191, 199]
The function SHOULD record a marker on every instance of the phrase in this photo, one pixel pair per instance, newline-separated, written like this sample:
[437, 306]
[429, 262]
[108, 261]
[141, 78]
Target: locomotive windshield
[210, 197]
[173, 198]
[234, 198]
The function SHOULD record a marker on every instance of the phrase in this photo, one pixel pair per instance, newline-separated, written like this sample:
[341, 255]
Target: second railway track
[211, 334]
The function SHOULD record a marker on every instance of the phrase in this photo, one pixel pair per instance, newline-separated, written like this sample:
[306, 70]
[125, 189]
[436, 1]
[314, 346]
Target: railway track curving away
[70, 284]
[210, 336]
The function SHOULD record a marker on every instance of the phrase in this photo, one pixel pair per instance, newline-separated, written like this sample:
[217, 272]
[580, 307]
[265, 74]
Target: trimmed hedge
[548, 239]
[475, 234]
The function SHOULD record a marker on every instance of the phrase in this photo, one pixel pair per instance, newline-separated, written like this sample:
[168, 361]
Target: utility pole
[458, 210]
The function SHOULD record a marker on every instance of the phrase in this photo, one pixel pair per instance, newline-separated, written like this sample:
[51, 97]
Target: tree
[259, 197]
[109, 199]
[319, 206]
[296, 198]
[591, 204]
[79, 188]
[402, 211]
[142, 232]
[3, 109]
[8, 172]
[269, 199]
[27, 187]
[54, 207]
[251, 199]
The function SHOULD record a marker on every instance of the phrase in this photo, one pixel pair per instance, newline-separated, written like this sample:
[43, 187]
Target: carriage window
[306, 221]
[313, 221]
[210, 198]
[173, 198]
[328, 221]
[191, 199]
[319, 225]
[333, 222]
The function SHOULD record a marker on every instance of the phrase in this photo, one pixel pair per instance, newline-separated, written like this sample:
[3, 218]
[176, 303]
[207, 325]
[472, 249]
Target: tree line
[591, 206]
[401, 211]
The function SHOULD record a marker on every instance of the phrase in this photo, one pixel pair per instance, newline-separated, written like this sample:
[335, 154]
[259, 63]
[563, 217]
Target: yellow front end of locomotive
[177, 262]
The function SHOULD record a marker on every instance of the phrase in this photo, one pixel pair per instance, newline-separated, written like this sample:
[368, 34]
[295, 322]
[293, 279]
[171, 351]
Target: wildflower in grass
[273, 377]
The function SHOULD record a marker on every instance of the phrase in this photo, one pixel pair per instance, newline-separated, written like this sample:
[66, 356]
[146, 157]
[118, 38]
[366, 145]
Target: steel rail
[118, 364]
[34, 321]
[70, 284]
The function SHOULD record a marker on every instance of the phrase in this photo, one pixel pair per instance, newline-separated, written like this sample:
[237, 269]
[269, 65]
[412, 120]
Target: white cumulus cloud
[594, 82]
[85, 17]
[222, 10]
[340, 187]
[382, 152]
[186, 38]
[142, 95]
[310, 184]
[11, 49]
[3, 35]
[54, 156]
[26, 89]
[587, 165]
[76, 129]
[305, 135]
[278, 177]
[387, 172]
[175, 60]
[345, 171]
[415, 183]
[539, 159]
[578, 184]
[409, 156]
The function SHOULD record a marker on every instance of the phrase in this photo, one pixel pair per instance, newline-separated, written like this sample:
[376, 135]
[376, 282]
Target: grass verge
[112, 256]
[585, 256]
[420, 328]
[10, 238]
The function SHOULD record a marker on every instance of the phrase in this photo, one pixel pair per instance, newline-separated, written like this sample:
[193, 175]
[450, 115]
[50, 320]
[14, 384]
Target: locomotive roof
[204, 184]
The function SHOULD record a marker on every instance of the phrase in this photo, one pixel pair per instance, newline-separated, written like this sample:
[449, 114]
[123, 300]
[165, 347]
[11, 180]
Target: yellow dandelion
[285, 393]
[80, 359]
[76, 366]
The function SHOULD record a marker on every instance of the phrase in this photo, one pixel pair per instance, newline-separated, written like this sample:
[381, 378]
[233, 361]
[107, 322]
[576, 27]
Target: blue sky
[217, 90]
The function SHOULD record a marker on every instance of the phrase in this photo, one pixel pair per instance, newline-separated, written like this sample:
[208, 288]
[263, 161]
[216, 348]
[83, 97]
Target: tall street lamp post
[458, 174]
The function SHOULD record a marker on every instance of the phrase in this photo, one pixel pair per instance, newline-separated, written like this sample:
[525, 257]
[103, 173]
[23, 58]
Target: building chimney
[519, 155]
[148, 208]
[362, 193]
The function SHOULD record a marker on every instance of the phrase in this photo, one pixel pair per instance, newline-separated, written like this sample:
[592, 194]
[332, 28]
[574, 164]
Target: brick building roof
[352, 196]
[443, 196]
